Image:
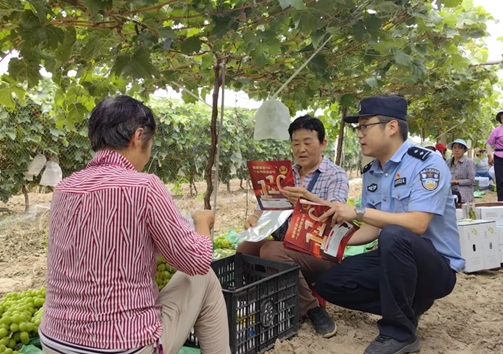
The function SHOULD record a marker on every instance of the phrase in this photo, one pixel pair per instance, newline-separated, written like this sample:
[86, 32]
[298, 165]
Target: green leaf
[65, 49]
[6, 98]
[95, 6]
[403, 59]
[359, 31]
[298, 4]
[259, 58]
[452, 3]
[307, 20]
[372, 82]
[373, 23]
[24, 70]
[139, 65]
[348, 100]
[191, 45]
[387, 6]
[167, 32]
[417, 69]
[467, 5]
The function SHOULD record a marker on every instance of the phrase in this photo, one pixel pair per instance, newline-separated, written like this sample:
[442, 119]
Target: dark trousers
[498, 171]
[399, 281]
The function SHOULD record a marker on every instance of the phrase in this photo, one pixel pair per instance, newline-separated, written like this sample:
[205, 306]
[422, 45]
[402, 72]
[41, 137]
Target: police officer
[408, 206]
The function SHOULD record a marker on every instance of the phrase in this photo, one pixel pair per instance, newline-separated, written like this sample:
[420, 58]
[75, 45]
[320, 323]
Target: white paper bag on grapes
[35, 166]
[272, 121]
[52, 174]
[269, 221]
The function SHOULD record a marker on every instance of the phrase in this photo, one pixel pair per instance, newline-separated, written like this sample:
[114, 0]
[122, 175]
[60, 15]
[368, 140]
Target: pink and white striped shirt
[108, 225]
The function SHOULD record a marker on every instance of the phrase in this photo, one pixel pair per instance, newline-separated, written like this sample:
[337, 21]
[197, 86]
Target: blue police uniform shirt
[415, 179]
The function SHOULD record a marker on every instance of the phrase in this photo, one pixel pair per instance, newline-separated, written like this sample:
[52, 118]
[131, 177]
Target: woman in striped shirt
[109, 223]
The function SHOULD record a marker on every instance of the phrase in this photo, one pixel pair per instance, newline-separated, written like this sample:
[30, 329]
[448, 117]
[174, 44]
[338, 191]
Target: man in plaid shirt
[307, 135]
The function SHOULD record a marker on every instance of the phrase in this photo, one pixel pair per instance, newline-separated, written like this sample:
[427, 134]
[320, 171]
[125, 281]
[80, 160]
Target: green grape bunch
[221, 242]
[164, 273]
[20, 316]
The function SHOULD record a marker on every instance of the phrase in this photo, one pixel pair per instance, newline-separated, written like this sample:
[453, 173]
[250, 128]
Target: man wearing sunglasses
[408, 206]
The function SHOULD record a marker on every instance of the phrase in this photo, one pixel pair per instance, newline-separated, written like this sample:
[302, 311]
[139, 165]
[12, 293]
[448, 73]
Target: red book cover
[268, 179]
[306, 234]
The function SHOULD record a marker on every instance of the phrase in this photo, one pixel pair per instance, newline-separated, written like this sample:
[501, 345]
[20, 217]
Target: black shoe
[322, 322]
[387, 345]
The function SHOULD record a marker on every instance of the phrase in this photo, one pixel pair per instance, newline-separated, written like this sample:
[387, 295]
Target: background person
[462, 170]
[495, 141]
[481, 161]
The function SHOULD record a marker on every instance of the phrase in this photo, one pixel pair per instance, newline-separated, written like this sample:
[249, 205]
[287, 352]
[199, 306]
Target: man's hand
[294, 193]
[339, 212]
[204, 218]
[453, 182]
[490, 160]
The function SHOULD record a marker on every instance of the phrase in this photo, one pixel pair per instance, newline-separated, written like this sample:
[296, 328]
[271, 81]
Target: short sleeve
[431, 187]
[365, 202]
[492, 137]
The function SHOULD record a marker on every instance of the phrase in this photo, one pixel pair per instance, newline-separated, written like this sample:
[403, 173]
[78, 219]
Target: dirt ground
[467, 321]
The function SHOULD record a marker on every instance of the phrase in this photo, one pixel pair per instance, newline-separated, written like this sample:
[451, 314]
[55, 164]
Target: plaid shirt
[332, 184]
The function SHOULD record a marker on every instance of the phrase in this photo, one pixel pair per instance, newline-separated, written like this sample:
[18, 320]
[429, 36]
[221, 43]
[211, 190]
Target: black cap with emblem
[389, 106]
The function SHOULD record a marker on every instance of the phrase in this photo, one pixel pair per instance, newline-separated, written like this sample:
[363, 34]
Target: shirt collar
[110, 158]
[396, 158]
[322, 167]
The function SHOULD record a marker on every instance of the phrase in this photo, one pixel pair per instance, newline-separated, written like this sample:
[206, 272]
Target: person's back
[109, 223]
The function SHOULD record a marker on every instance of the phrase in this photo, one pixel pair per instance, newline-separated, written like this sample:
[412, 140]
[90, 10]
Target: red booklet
[307, 234]
[268, 179]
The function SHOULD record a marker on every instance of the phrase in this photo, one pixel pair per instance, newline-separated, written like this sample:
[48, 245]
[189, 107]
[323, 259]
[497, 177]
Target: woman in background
[481, 163]
[495, 141]
[462, 170]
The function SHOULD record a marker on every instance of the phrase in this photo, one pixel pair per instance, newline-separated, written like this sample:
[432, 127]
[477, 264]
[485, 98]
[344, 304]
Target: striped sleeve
[338, 186]
[182, 247]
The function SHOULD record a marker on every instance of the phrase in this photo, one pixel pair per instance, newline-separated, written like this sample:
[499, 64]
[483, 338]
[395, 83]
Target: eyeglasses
[363, 127]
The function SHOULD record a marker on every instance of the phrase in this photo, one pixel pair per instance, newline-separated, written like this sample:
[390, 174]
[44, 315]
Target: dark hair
[309, 123]
[403, 127]
[114, 120]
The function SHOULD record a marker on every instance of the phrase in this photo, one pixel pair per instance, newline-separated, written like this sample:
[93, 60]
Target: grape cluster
[164, 273]
[221, 242]
[20, 316]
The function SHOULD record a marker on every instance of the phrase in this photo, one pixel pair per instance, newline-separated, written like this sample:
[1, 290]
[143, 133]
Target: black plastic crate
[262, 299]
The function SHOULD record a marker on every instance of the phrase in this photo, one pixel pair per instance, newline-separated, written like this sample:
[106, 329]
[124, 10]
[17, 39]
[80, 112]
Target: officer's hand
[339, 212]
[294, 193]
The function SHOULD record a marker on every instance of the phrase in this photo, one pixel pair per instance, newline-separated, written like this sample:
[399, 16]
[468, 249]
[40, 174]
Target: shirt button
[385, 199]
[385, 175]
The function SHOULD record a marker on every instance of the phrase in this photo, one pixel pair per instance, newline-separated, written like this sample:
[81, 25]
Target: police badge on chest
[399, 180]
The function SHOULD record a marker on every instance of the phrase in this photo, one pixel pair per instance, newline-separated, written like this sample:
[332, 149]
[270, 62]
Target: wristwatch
[360, 210]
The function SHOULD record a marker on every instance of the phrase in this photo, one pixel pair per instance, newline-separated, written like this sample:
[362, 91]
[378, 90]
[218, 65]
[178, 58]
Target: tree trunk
[193, 189]
[241, 183]
[26, 198]
[340, 141]
[228, 186]
[213, 132]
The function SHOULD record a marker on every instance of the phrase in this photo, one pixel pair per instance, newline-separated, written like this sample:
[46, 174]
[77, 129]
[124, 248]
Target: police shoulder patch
[419, 153]
[367, 167]
[430, 178]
